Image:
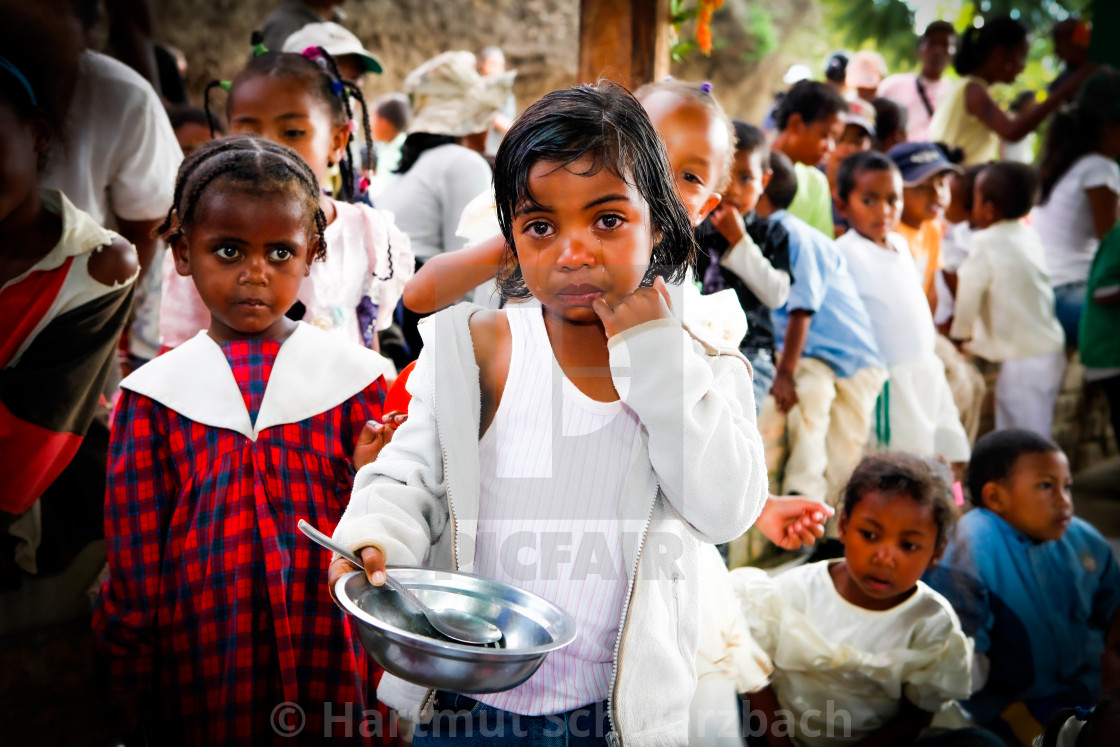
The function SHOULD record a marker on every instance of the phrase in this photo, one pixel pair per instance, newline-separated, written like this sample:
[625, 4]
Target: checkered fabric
[216, 603]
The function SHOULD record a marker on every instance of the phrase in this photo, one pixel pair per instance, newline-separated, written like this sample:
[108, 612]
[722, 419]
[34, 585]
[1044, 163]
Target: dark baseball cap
[919, 161]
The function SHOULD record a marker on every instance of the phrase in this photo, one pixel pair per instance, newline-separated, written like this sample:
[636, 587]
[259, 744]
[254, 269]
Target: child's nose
[884, 557]
[579, 250]
[255, 272]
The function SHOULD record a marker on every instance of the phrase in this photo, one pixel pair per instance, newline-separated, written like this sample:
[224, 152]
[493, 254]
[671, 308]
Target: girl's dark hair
[890, 117]
[860, 163]
[811, 99]
[324, 81]
[1011, 186]
[247, 164]
[1076, 130]
[995, 454]
[750, 139]
[605, 124]
[414, 146]
[976, 43]
[44, 49]
[898, 473]
[702, 94]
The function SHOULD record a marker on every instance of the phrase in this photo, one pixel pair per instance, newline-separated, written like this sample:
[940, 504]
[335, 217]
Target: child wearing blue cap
[925, 194]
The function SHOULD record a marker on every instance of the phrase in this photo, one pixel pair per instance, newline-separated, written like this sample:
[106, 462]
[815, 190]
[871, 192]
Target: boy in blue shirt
[830, 373]
[1034, 585]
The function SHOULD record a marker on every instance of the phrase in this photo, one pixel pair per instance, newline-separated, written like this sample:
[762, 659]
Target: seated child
[861, 648]
[1005, 305]
[920, 416]
[1034, 585]
[830, 372]
[809, 124]
[748, 253]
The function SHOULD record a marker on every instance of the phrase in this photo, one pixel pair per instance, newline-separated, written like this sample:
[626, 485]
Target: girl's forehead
[277, 92]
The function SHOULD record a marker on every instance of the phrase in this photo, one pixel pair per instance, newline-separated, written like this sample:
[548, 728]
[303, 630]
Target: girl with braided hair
[300, 100]
[214, 614]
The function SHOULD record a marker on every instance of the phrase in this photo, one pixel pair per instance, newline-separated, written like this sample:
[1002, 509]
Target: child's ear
[340, 138]
[710, 204]
[841, 525]
[993, 498]
[180, 252]
[766, 177]
[795, 124]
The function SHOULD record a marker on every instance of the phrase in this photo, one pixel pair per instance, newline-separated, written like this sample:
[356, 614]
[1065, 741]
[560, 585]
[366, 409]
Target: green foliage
[889, 25]
[759, 27]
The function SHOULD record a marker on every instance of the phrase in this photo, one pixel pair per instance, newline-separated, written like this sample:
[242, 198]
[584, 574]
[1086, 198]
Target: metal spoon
[455, 624]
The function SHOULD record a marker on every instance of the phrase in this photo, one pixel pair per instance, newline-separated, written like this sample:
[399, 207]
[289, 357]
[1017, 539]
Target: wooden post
[626, 41]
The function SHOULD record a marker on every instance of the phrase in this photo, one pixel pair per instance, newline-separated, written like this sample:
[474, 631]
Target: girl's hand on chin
[641, 306]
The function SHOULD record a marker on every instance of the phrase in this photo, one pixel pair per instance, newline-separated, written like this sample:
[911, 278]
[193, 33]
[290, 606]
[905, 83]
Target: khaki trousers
[827, 429]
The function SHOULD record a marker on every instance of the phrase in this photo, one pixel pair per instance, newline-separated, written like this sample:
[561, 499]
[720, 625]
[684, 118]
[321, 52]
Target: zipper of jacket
[430, 696]
[611, 718]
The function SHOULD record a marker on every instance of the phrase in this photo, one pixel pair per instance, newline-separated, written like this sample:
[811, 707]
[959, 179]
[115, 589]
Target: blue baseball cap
[919, 161]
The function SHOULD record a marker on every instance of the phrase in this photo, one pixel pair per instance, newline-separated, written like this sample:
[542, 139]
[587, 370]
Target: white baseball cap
[336, 40]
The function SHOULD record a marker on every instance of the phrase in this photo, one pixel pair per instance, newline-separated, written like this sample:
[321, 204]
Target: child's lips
[580, 295]
[878, 584]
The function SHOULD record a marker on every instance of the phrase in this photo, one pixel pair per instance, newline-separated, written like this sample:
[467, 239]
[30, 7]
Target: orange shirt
[925, 246]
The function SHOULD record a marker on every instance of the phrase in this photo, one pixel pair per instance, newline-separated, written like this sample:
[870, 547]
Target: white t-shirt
[120, 155]
[428, 200]
[891, 290]
[837, 665]
[1065, 221]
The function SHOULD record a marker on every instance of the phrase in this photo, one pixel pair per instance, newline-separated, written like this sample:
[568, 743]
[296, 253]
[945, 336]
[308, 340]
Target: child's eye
[867, 534]
[910, 547]
[690, 177]
[1045, 485]
[610, 221]
[281, 254]
[292, 134]
[538, 229]
[227, 252]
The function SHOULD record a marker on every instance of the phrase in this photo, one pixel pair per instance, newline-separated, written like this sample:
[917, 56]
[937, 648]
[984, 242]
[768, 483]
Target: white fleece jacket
[700, 478]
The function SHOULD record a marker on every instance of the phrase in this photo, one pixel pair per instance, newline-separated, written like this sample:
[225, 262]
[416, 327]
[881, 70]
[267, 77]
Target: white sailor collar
[313, 372]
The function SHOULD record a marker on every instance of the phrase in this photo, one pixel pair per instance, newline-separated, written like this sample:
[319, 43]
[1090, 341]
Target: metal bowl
[402, 641]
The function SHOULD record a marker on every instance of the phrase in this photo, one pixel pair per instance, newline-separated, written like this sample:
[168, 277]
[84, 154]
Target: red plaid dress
[216, 602]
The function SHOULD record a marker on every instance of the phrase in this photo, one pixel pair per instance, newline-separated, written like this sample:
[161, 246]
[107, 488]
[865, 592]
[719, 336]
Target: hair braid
[249, 162]
[346, 166]
[186, 171]
[356, 92]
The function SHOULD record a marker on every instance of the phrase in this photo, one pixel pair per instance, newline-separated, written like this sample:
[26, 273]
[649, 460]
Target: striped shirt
[553, 465]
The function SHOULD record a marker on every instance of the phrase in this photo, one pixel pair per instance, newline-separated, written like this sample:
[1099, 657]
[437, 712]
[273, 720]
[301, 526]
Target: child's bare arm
[445, 278]
[797, 329]
[764, 705]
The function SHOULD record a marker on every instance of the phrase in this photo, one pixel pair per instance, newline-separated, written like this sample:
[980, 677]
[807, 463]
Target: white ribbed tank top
[553, 464]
